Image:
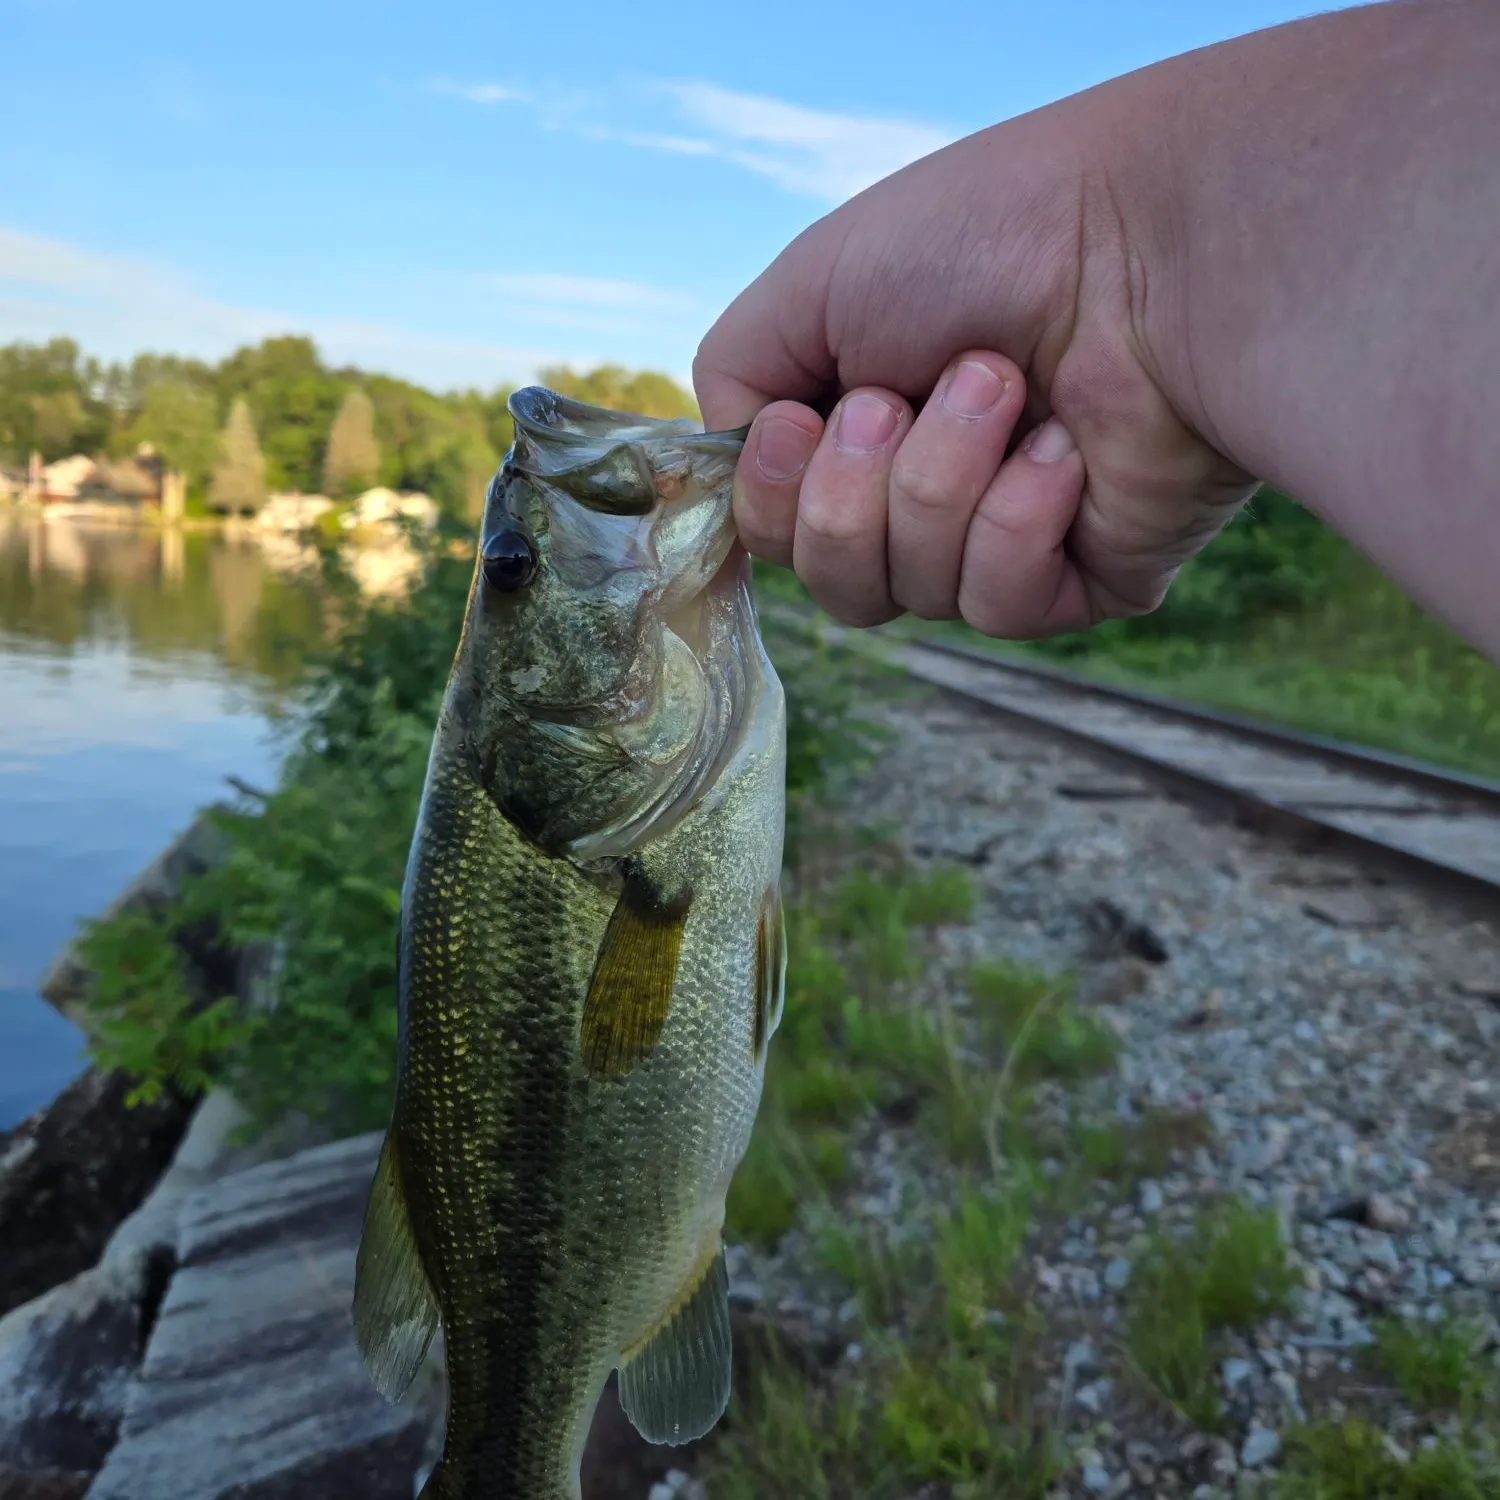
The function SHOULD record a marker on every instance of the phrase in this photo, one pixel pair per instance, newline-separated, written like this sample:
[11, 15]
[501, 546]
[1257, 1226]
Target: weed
[957, 1419]
[762, 1203]
[1436, 1365]
[1350, 1460]
[978, 1240]
[944, 894]
[888, 1273]
[1244, 1273]
[796, 1438]
[1230, 1272]
[1044, 1034]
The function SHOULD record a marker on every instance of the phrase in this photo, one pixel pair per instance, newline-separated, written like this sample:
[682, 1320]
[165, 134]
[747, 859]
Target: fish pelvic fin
[675, 1386]
[631, 988]
[770, 972]
[395, 1309]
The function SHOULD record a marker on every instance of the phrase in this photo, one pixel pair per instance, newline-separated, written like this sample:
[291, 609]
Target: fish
[591, 960]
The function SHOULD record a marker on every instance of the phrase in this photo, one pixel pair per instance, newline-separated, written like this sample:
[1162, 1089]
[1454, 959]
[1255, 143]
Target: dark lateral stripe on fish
[517, 1140]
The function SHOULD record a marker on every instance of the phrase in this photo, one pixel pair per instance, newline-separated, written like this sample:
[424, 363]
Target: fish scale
[582, 1037]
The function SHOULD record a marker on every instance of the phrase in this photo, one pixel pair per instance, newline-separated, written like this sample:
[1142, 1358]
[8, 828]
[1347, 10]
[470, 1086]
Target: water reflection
[138, 668]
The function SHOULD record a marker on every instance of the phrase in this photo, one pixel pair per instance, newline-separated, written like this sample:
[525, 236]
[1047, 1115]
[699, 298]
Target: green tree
[646, 392]
[49, 402]
[351, 462]
[239, 478]
[180, 421]
[294, 397]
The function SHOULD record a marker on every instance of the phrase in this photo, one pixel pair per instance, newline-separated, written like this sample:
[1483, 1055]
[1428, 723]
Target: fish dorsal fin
[631, 988]
[770, 971]
[675, 1386]
[395, 1311]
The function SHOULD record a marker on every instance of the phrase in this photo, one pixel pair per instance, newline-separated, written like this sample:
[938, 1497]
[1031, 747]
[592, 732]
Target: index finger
[771, 342]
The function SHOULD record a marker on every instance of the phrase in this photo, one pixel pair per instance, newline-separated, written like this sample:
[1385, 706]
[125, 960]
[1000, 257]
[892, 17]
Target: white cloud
[115, 308]
[479, 93]
[588, 291]
[813, 152]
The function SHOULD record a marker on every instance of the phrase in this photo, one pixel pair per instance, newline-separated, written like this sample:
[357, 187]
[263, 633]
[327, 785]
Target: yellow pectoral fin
[395, 1311]
[770, 972]
[675, 1386]
[631, 988]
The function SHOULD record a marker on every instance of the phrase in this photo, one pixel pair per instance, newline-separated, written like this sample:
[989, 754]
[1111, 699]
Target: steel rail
[1404, 815]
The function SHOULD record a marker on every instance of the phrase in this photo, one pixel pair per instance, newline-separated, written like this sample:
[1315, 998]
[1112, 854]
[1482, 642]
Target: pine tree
[353, 457]
[239, 480]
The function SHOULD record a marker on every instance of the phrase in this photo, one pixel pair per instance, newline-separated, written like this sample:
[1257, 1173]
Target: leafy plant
[142, 1018]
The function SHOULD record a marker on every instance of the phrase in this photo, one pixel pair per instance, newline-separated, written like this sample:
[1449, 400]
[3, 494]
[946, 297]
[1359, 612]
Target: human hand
[1012, 283]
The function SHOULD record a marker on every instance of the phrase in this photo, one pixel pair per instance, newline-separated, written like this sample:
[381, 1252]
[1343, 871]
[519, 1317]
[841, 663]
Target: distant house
[60, 480]
[290, 510]
[12, 483]
[124, 481]
[80, 485]
[383, 507]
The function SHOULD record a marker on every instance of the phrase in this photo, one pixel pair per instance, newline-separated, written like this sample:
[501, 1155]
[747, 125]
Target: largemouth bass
[591, 960]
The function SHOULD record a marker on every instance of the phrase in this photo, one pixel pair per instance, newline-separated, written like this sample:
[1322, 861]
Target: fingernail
[782, 449]
[1049, 442]
[971, 389]
[865, 422]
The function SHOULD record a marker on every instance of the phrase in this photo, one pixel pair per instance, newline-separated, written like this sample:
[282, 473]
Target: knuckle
[918, 484]
[836, 524]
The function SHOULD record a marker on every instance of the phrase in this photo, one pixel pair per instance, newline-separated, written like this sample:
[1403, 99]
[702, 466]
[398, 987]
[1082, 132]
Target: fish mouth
[618, 463]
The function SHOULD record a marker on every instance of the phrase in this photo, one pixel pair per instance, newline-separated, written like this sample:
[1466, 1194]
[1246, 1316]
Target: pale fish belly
[676, 1128]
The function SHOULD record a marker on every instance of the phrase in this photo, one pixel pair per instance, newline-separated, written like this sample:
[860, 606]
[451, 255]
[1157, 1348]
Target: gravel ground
[1339, 1034]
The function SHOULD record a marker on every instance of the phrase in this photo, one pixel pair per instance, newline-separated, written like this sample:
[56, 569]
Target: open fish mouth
[618, 463]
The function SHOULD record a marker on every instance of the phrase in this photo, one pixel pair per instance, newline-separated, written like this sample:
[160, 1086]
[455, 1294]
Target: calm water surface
[137, 670]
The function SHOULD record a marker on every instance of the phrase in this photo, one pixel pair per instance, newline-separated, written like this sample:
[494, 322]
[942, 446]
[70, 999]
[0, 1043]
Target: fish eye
[508, 559]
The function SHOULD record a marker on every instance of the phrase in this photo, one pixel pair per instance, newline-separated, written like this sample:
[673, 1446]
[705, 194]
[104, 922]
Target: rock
[1091, 1397]
[1080, 1359]
[43, 1484]
[1235, 1372]
[70, 1173]
[65, 1363]
[1374, 1211]
[1261, 1445]
[1117, 1274]
[1384, 1213]
[1114, 932]
[1096, 1479]
[251, 1384]
[1150, 1198]
[1141, 1459]
[1350, 907]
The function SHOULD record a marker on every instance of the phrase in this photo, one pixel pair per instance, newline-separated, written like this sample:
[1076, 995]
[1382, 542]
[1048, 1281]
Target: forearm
[1328, 313]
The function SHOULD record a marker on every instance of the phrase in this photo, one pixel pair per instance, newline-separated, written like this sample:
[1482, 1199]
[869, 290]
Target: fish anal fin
[770, 972]
[631, 988]
[395, 1310]
[675, 1386]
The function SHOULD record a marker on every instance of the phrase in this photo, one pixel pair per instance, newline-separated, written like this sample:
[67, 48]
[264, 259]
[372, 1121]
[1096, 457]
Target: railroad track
[1441, 825]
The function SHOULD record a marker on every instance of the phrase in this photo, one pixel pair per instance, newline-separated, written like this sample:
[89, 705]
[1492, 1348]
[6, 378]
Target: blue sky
[457, 191]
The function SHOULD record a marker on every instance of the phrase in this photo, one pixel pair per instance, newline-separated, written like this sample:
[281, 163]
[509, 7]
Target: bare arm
[1278, 257]
[1332, 316]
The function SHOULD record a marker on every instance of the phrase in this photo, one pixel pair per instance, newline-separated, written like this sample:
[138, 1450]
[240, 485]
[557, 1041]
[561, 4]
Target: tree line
[273, 416]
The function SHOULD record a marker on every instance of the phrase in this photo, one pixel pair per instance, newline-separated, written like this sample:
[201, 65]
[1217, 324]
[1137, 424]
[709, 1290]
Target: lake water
[137, 671]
